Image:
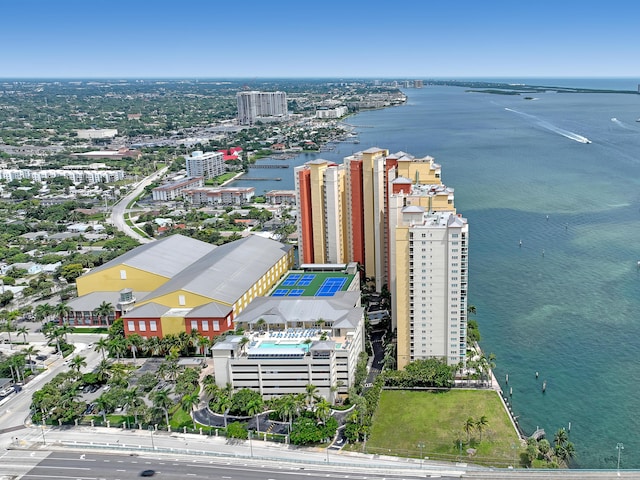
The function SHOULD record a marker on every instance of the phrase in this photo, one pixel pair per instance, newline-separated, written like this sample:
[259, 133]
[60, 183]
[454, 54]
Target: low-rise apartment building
[219, 195]
[176, 189]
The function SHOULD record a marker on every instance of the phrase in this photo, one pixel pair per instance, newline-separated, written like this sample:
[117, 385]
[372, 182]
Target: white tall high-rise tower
[263, 106]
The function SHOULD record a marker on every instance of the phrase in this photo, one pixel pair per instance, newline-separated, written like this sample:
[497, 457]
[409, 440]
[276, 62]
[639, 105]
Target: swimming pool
[304, 346]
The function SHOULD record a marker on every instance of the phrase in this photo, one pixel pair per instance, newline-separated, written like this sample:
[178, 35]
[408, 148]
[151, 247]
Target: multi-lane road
[96, 466]
[119, 209]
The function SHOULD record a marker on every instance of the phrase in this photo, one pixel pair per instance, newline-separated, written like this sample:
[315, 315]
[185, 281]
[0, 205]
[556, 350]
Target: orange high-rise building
[381, 210]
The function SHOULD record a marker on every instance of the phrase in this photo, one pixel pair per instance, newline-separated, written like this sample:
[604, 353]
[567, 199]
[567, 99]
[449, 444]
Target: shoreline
[495, 385]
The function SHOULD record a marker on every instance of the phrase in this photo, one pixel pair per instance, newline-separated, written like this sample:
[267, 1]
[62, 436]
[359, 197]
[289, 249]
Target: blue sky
[414, 39]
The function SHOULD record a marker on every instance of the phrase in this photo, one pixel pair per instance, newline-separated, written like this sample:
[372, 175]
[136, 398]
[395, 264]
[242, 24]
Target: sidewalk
[144, 442]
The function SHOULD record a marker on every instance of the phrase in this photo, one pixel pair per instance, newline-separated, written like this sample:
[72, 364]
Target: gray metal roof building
[166, 257]
[227, 272]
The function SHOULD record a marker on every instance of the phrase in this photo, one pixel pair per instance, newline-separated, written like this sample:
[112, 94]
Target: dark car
[147, 473]
[41, 357]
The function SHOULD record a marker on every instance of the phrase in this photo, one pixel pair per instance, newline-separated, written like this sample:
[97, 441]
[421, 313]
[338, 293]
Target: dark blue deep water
[567, 302]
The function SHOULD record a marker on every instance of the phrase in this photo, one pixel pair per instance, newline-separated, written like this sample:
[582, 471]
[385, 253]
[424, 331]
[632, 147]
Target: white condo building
[76, 176]
[263, 106]
[207, 165]
[429, 287]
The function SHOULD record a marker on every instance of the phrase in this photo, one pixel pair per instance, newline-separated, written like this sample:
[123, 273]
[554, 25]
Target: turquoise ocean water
[567, 302]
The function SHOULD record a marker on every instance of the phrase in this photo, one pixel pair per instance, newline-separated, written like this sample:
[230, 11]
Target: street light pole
[421, 445]
[250, 445]
[44, 441]
[619, 447]
[153, 447]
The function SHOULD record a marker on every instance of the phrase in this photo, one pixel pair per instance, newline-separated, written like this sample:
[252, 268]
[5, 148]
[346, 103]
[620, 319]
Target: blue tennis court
[306, 280]
[291, 280]
[280, 292]
[296, 292]
[330, 286]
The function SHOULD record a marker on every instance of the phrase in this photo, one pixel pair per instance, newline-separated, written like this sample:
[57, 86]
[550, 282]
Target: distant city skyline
[329, 39]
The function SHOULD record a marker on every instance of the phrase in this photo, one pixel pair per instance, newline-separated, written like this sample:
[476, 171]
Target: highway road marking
[120, 470]
[62, 468]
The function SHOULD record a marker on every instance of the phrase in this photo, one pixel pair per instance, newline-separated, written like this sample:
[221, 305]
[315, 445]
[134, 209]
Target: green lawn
[406, 419]
[179, 418]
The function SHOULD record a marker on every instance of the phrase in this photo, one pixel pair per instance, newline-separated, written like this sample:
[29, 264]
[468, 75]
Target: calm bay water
[566, 303]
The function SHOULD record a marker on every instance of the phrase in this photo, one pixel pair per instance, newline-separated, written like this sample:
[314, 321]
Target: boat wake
[621, 124]
[551, 127]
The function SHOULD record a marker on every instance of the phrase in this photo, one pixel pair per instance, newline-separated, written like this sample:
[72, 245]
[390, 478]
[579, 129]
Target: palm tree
[195, 340]
[310, 394]
[471, 310]
[222, 405]
[204, 343]
[133, 401]
[162, 401]
[65, 330]
[389, 360]
[261, 323]
[254, 408]
[188, 402]
[101, 345]
[243, 342]
[289, 408]
[172, 368]
[9, 318]
[77, 363]
[153, 346]
[103, 369]
[323, 410]
[30, 350]
[560, 437]
[133, 343]
[42, 311]
[117, 347]
[62, 310]
[104, 404]
[468, 427]
[103, 311]
[54, 334]
[23, 331]
[568, 451]
[480, 424]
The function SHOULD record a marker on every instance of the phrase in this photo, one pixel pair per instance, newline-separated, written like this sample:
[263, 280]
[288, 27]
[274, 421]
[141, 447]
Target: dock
[268, 165]
[538, 434]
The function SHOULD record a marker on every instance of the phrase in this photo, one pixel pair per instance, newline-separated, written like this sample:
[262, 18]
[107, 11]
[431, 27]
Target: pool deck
[293, 336]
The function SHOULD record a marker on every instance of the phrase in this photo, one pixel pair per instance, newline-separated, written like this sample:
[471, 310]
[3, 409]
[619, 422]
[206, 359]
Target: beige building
[430, 283]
